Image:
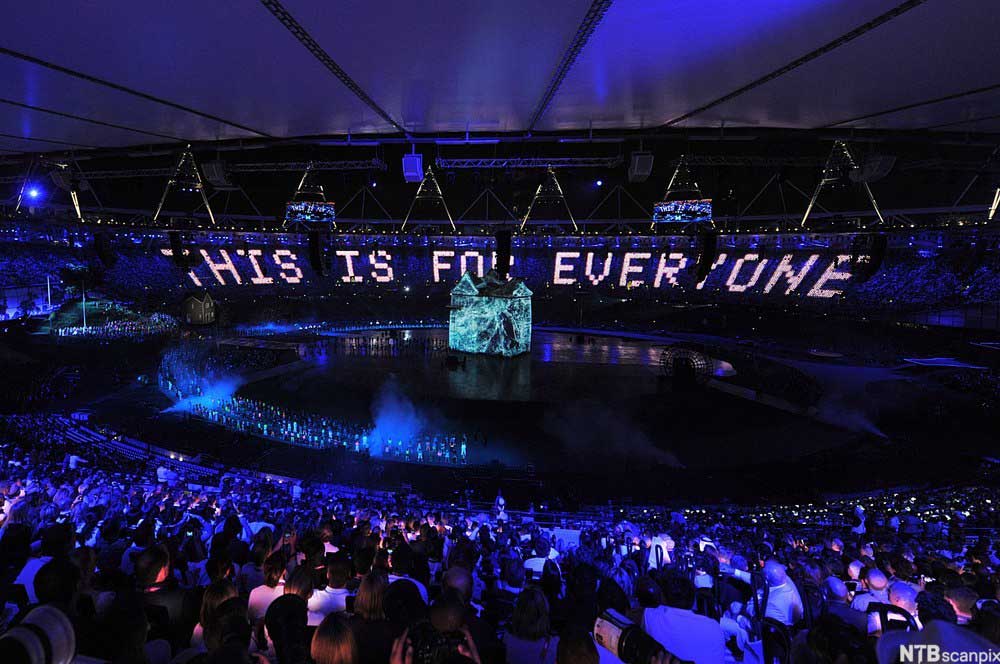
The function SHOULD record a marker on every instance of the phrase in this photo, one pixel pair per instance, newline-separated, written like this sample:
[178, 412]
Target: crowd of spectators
[109, 557]
[194, 370]
[133, 327]
[188, 368]
[295, 427]
[27, 264]
[259, 418]
[983, 386]
[33, 385]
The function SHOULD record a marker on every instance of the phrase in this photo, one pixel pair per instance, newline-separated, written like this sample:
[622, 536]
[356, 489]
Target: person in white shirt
[332, 598]
[326, 534]
[783, 600]
[542, 552]
[876, 586]
[784, 603]
[55, 542]
[26, 577]
[273, 588]
[664, 546]
[684, 633]
[735, 625]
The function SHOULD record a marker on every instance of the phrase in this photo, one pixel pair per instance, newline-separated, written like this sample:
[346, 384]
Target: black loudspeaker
[316, 259]
[177, 250]
[867, 254]
[102, 244]
[707, 251]
[503, 253]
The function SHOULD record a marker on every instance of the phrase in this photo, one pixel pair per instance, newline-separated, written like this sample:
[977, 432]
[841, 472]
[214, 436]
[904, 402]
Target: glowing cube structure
[490, 316]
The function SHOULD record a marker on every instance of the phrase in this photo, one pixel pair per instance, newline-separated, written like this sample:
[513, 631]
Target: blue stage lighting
[34, 193]
[600, 183]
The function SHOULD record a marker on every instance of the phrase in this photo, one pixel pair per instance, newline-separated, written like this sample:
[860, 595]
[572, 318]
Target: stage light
[33, 192]
[600, 183]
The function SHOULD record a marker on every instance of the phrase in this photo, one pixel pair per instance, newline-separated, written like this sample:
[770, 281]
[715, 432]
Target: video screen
[683, 212]
[310, 212]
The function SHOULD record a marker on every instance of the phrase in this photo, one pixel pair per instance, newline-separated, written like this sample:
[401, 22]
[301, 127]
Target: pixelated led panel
[490, 325]
[488, 322]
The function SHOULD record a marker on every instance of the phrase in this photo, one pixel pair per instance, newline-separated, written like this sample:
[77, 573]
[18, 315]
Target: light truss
[309, 190]
[429, 191]
[187, 177]
[530, 162]
[838, 164]
[763, 224]
[751, 161]
[549, 193]
[374, 164]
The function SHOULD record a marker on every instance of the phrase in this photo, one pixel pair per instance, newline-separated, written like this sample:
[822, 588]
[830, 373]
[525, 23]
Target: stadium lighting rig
[549, 193]
[429, 191]
[186, 179]
[309, 209]
[510, 163]
[31, 191]
[66, 179]
[682, 202]
[839, 165]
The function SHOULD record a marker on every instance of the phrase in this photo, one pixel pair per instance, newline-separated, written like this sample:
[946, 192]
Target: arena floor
[575, 401]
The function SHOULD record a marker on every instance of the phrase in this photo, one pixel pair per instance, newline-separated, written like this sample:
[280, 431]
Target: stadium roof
[118, 73]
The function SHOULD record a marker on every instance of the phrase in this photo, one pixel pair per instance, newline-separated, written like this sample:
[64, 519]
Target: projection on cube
[490, 316]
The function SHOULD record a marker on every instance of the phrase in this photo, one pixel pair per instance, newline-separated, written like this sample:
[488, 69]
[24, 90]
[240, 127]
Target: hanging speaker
[640, 166]
[867, 254]
[177, 250]
[413, 167]
[707, 251]
[316, 259]
[502, 266]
